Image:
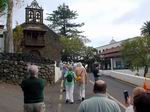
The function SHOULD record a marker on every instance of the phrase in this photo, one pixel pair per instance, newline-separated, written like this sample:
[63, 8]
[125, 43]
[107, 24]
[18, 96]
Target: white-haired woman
[80, 71]
[33, 88]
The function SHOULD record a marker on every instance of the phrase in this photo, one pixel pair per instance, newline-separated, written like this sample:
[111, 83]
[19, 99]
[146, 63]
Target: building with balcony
[111, 55]
[38, 39]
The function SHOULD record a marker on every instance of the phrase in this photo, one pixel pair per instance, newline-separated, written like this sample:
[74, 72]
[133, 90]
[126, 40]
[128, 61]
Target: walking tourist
[136, 91]
[96, 71]
[81, 74]
[64, 71]
[33, 88]
[99, 102]
[69, 85]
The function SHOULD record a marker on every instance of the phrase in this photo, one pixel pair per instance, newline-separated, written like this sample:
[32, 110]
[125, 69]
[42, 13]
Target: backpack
[69, 77]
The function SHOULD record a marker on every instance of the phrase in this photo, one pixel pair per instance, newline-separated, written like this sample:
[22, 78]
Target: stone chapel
[39, 39]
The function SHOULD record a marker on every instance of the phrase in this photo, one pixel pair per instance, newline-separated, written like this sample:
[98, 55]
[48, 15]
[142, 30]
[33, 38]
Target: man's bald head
[100, 86]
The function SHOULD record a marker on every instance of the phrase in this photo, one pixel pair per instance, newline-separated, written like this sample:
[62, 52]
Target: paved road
[115, 89]
[11, 98]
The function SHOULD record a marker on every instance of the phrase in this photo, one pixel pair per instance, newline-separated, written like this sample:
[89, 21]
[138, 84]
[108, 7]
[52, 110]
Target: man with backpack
[69, 85]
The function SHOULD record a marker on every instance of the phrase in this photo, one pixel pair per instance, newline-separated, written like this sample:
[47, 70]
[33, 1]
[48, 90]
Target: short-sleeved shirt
[129, 109]
[99, 103]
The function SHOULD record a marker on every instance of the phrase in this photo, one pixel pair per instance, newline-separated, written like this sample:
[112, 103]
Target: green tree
[136, 53]
[89, 54]
[75, 50]
[145, 30]
[72, 48]
[18, 36]
[61, 21]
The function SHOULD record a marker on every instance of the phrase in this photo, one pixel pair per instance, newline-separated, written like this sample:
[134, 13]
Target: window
[35, 35]
[30, 15]
[38, 16]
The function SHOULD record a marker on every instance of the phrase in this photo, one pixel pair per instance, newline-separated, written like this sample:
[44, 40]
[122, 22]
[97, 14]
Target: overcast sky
[104, 19]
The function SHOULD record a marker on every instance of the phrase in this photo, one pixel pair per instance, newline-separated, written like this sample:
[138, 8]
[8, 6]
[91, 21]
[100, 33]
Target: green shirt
[33, 90]
[73, 80]
[99, 103]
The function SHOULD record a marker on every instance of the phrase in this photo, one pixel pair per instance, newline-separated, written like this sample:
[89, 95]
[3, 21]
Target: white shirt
[129, 109]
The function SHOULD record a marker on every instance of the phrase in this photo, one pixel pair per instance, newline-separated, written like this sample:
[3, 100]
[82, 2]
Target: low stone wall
[136, 80]
[13, 67]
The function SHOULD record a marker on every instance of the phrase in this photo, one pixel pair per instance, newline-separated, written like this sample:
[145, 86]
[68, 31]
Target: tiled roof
[112, 50]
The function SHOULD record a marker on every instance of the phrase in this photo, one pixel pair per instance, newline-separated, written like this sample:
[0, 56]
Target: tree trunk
[145, 70]
[9, 35]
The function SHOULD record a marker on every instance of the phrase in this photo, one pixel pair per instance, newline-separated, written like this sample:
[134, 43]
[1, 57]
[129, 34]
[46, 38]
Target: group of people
[139, 102]
[33, 88]
[72, 74]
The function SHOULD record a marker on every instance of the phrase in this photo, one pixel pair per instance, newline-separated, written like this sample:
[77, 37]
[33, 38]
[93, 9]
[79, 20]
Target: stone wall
[13, 67]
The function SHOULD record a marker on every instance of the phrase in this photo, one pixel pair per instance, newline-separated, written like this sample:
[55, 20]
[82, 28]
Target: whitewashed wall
[136, 80]
[109, 46]
[1, 41]
[58, 73]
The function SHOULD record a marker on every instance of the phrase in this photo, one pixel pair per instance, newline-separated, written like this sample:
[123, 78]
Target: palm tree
[145, 30]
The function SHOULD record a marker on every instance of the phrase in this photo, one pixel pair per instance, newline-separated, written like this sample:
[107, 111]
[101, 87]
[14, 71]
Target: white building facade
[111, 55]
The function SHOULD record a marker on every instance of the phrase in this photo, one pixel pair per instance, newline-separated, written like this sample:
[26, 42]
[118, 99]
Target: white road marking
[62, 83]
[60, 96]
[112, 97]
[59, 107]
[61, 90]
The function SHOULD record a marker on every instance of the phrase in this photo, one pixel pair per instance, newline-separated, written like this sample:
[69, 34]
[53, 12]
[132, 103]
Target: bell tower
[34, 13]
